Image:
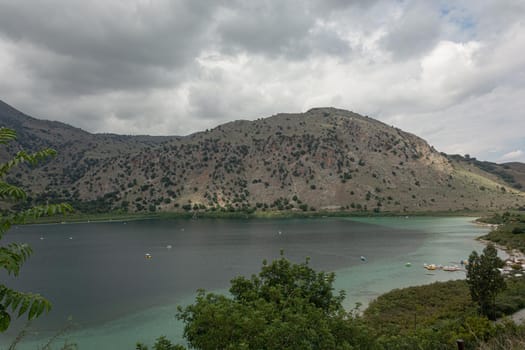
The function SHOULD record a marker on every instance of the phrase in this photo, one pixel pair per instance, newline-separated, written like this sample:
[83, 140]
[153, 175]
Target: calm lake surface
[96, 274]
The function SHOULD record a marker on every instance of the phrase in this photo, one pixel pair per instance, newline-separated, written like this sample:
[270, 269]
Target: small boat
[169, 246]
[408, 264]
[147, 256]
[363, 259]
[430, 267]
[451, 268]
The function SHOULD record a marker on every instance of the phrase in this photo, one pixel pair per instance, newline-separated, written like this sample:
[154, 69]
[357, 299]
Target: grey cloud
[416, 31]
[207, 102]
[285, 29]
[327, 6]
[67, 77]
[327, 42]
[163, 35]
[97, 45]
[265, 27]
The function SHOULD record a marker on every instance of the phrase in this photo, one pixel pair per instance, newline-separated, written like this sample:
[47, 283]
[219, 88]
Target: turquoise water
[448, 241]
[98, 274]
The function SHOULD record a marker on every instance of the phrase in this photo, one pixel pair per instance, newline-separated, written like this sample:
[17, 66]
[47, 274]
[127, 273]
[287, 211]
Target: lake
[96, 274]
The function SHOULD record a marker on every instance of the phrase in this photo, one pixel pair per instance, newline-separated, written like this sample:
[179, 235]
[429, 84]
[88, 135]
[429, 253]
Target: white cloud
[514, 155]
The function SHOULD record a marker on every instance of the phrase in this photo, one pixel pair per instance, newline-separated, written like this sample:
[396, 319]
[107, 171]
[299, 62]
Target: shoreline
[119, 217]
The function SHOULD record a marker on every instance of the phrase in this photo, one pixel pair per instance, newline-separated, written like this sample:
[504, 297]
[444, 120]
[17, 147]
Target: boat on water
[430, 267]
[451, 268]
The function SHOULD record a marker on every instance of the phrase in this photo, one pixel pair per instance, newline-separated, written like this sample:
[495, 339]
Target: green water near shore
[449, 241]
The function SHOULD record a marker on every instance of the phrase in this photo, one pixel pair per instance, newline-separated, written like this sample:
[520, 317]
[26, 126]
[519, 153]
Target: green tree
[285, 306]
[162, 343]
[13, 255]
[484, 279]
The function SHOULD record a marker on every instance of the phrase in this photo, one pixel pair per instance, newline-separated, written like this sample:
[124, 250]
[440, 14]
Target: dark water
[101, 272]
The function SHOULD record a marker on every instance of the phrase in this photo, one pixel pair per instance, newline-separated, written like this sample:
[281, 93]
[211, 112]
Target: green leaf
[41, 307]
[11, 192]
[22, 157]
[24, 307]
[6, 135]
[33, 310]
[5, 320]
[13, 255]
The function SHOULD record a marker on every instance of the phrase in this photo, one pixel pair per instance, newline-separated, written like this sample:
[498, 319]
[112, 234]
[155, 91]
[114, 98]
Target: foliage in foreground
[433, 316]
[13, 255]
[286, 306]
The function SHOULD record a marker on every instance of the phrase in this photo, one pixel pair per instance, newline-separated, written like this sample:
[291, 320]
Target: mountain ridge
[323, 159]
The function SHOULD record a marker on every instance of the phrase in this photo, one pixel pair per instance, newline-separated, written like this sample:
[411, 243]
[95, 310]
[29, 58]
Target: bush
[285, 306]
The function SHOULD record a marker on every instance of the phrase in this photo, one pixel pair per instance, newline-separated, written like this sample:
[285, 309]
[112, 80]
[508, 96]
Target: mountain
[324, 159]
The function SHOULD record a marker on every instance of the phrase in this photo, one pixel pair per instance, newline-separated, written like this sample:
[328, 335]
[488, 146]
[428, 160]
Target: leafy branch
[13, 255]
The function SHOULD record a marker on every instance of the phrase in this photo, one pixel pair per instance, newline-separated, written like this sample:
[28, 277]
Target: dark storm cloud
[104, 45]
[165, 35]
[79, 76]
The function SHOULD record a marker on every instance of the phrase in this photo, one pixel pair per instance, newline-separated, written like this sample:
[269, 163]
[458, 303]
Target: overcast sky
[452, 72]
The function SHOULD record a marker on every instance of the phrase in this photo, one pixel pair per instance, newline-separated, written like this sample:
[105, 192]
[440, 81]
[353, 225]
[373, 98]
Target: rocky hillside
[324, 159]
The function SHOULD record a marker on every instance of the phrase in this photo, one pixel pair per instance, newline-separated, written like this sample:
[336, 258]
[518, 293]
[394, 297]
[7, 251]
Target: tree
[286, 306]
[13, 255]
[161, 343]
[484, 279]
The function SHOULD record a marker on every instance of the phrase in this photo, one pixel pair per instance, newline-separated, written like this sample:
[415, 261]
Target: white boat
[451, 268]
[431, 267]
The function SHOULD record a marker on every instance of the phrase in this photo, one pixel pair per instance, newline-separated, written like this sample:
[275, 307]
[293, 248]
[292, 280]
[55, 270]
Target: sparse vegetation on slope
[322, 160]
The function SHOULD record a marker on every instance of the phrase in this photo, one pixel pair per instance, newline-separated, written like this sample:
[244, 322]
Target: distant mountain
[324, 159]
[512, 173]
